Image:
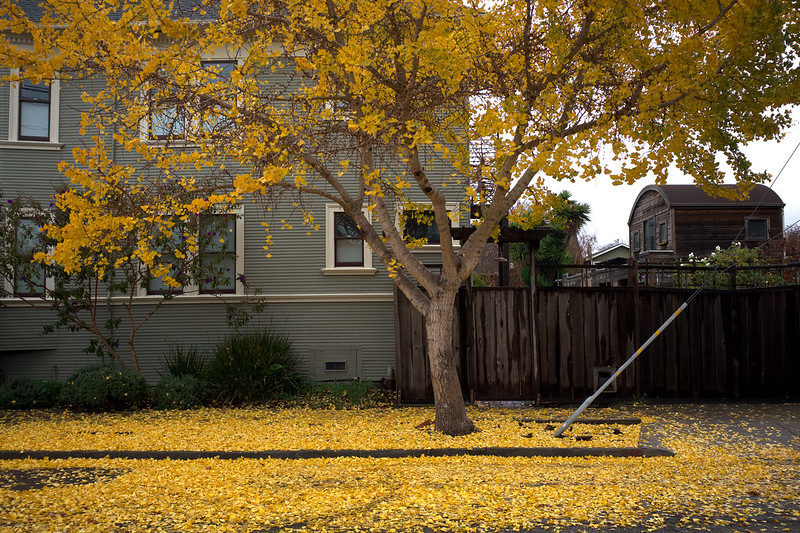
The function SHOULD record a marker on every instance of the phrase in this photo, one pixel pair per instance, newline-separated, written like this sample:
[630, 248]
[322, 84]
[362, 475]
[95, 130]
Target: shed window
[662, 233]
[650, 234]
[756, 229]
[635, 241]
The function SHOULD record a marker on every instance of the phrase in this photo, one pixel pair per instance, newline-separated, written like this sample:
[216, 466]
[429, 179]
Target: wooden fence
[732, 344]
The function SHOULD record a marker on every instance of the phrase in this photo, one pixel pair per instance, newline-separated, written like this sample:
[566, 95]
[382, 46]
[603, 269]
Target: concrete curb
[329, 454]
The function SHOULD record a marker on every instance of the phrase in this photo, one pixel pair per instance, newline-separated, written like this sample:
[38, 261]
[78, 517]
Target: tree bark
[451, 415]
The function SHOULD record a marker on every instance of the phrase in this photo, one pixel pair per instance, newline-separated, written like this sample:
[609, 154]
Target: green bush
[27, 393]
[179, 392]
[105, 387]
[253, 367]
[184, 361]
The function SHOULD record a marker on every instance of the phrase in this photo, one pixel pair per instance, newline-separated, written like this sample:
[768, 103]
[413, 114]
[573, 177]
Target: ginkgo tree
[380, 106]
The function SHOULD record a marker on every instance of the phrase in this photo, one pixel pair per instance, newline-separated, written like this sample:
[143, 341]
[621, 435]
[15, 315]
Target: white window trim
[451, 207]
[193, 290]
[330, 248]
[8, 284]
[13, 119]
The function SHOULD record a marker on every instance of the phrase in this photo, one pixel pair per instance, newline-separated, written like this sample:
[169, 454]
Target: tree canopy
[380, 105]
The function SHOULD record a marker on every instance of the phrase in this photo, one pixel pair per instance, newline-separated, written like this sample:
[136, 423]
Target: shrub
[184, 361]
[105, 387]
[27, 393]
[179, 392]
[251, 367]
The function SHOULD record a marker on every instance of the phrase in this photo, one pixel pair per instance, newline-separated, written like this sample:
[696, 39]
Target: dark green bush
[105, 388]
[184, 361]
[27, 393]
[253, 367]
[179, 392]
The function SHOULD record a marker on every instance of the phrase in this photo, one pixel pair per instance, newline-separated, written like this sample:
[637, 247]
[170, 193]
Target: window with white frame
[29, 277]
[418, 223]
[345, 250]
[171, 117]
[221, 253]
[220, 239]
[173, 253]
[34, 112]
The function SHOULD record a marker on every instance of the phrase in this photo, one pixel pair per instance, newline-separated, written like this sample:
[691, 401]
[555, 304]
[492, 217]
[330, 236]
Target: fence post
[534, 334]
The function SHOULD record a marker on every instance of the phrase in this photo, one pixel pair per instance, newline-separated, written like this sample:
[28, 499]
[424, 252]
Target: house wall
[326, 317]
[651, 205]
[700, 231]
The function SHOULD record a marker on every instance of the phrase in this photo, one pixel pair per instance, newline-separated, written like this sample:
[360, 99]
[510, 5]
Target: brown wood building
[668, 222]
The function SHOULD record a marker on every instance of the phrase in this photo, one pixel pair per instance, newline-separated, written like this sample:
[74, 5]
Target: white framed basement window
[33, 115]
[346, 253]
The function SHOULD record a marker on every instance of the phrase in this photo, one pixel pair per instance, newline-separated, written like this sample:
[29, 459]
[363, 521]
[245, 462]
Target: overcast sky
[611, 204]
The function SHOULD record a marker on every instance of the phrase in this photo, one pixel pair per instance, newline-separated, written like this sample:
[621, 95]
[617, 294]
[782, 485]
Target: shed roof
[693, 197]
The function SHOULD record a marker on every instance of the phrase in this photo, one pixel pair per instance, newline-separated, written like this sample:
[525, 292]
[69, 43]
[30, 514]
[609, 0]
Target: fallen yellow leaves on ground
[715, 478]
[295, 429]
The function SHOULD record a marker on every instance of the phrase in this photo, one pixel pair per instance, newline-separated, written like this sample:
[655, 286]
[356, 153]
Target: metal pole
[619, 371]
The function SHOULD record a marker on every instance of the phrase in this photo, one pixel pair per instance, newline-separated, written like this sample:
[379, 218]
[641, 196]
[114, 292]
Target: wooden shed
[668, 222]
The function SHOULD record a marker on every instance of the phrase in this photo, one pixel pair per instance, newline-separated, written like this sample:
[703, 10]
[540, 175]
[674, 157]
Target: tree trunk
[451, 415]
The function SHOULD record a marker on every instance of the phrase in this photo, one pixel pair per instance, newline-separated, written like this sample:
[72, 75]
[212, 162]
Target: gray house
[324, 289]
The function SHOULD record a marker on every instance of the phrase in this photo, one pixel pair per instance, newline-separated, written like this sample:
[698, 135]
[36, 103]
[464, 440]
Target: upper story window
[345, 250]
[757, 229]
[650, 234]
[174, 117]
[33, 113]
[662, 233]
[636, 243]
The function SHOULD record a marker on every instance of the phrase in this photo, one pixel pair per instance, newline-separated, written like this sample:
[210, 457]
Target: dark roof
[693, 197]
[182, 8]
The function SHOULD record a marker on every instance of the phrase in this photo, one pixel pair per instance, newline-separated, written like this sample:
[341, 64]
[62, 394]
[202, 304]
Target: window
[172, 252]
[29, 277]
[219, 70]
[757, 229]
[167, 119]
[418, 223]
[662, 233]
[172, 117]
[650, 234]
[347, 243]
[636, 241]
[33, 113]
[218, 257]
[345, 250]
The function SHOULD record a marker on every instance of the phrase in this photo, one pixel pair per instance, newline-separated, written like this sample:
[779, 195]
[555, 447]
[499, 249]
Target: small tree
[374, 104]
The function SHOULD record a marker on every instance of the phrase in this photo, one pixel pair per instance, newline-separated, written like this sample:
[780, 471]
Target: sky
[611, 204]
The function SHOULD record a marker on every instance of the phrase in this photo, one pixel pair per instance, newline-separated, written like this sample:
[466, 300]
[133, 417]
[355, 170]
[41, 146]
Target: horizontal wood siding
[365, 327]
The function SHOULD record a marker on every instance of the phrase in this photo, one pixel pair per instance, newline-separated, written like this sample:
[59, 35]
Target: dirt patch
[39, 478]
